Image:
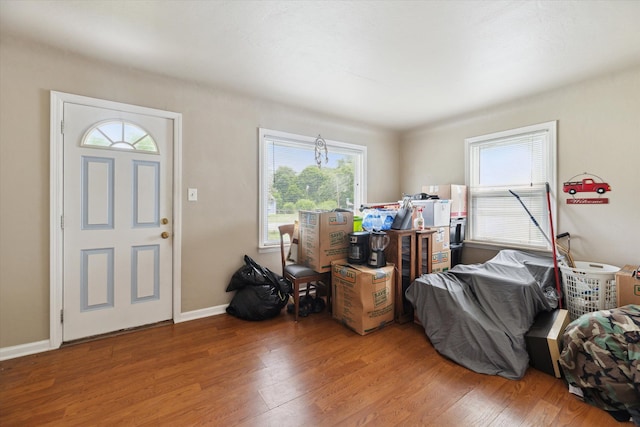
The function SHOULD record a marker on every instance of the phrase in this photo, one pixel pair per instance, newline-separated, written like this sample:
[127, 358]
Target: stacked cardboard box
[362, 297]
[441, 239]
[457, 195]
[440, 261]
[324, 237]
[440, 250]
[454, 192]
[628, 285]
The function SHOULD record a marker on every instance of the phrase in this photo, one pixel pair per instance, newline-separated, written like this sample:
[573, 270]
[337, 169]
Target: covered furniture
[601, 357]
[299, 274]
[477, 315]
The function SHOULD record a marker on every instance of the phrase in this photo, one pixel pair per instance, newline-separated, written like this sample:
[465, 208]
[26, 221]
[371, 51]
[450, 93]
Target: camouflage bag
[601, 356]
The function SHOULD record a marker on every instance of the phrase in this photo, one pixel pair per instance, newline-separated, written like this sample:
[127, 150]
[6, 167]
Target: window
[291, 180]
[521, 161]
[119, 135]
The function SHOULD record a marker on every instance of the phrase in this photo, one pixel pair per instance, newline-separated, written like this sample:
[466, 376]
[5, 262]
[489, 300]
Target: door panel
[117, 269]
[97, 193]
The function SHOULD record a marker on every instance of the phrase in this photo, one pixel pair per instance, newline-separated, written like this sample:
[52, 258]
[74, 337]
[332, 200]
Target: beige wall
[599, 127]
[220, 158]
[598, 132]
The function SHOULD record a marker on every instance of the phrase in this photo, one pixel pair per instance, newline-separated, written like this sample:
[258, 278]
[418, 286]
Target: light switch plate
[192, 194]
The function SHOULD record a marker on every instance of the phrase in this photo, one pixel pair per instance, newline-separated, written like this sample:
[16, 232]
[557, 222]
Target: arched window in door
[119, 135]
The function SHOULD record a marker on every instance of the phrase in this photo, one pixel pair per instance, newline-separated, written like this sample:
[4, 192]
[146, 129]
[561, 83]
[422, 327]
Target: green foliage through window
[314, 188]
[292, 181]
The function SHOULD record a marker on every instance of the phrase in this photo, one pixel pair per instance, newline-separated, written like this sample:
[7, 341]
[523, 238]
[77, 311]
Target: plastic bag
[378, 219]
[403, 219]
[260, 293]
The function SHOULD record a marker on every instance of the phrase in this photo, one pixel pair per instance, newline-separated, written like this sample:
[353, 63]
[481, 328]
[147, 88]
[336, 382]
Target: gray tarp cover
[477, 315]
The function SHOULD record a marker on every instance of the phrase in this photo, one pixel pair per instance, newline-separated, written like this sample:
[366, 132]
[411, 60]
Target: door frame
[56, 202]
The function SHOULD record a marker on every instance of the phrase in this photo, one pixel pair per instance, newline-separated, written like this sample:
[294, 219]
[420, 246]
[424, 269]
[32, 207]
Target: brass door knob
[164, 235]
[164, 221]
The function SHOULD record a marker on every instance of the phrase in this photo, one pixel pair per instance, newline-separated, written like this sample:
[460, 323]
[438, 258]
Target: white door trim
[56, 202]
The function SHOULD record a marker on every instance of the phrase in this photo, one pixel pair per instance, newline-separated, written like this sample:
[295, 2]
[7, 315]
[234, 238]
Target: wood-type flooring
[222, 371]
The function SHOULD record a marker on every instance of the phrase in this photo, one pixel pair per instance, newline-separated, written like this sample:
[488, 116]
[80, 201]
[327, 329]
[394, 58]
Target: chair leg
[296, 300]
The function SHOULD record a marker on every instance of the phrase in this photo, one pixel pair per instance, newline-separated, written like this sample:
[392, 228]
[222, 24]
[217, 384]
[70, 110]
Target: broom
[553, 246]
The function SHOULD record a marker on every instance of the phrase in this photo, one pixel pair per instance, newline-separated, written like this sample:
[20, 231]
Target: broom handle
[532, 218]
[553, 247]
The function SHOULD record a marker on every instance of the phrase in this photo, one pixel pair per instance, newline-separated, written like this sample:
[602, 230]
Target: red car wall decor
[586, 185]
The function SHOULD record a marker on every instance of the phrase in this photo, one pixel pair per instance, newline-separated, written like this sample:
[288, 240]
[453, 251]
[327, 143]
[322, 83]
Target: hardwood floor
[224, 371]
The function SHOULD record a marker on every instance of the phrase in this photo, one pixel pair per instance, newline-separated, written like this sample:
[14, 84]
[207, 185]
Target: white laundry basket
[589, 286]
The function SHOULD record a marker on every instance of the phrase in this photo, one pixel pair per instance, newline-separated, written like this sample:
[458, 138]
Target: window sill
[270, 249]
[498, 247]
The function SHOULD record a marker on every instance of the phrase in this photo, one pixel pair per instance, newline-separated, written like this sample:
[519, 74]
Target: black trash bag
[260, 293]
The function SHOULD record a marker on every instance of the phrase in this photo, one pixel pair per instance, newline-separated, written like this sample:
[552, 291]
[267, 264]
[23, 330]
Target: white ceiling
[394, 64]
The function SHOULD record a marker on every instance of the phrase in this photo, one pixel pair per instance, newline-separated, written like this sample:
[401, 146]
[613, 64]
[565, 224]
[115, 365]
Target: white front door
[117, 220]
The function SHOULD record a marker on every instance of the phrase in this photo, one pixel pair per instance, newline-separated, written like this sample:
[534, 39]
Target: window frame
[550, 162]
[131, 146]
[266, 135]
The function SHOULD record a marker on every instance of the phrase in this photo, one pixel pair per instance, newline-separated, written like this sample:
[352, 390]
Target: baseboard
[24, 349]
[45, 345]
[200, 314]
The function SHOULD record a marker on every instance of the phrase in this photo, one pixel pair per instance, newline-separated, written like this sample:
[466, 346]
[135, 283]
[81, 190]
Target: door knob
[164, 221]
[164, 235]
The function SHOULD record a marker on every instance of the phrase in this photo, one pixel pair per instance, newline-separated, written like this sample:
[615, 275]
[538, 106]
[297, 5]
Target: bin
[588, 287]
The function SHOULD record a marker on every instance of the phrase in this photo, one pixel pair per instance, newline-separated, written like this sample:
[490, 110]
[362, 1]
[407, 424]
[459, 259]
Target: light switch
[192, 194]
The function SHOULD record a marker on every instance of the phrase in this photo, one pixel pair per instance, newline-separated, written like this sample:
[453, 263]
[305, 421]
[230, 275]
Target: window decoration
[586, 183]
[321, 145]
[119, 135]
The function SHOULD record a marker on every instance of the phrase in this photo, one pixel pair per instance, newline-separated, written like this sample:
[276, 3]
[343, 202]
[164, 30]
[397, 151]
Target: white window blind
[521, 162]
[291, 180]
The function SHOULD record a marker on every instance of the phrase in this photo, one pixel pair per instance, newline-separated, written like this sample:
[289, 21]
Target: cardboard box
[440, 261]
[628, 287]
[440, 240]
[324, 237]
[436, 213]
[454, 192]
[544, 341]
[362, 297]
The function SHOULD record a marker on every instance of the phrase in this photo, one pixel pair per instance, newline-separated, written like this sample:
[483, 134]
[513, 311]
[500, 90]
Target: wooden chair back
[285, 229]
